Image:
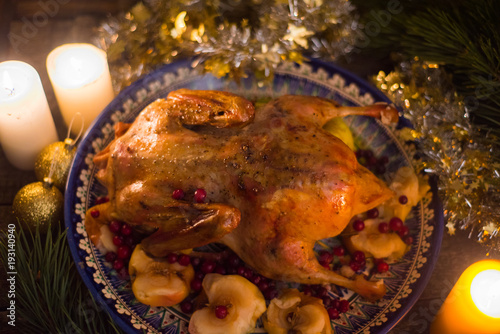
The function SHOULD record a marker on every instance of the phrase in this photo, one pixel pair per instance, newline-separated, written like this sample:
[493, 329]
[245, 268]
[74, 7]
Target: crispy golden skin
[276, 182]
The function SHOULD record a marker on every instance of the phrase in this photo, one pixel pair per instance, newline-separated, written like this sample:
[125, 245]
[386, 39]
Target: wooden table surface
[75, 24]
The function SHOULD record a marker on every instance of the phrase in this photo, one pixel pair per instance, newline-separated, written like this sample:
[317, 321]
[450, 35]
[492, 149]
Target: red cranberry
[403, 199]
[321, 292]
[231, 270]
[336, 303]
[117, 240]
[383, 227]
[333, 313]
[256, 279]
[327, 301]
[208, 267]
[371, 161]
[240, 271]
[123, 273]
[118, 264]
[380, 169]
[126, 230]
[200, 195]
[372, 213]
[395, 224]
[382, 267]
[220, 257]
[325, 257]
[186, 307]
[358, 256]
[263, 285]
[110, 257]
[339, 251]
[115, 226]
[128, 240]
[344, 306]
[233, 260]
[196, 285]
[184, 260]
[95, 213]
[248, 274]
[270, 293]
[101, 200]
[199, 275]
[307, 290]
[403, 231]
[221, 311]
[358, 225]
[220, 269]
[408, 240]
[178, 194]
[196, 261]
[123, 252]
[172, 258]
[354, 265]
[383, 160]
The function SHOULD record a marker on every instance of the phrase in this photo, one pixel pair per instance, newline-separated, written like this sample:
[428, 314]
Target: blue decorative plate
[406, 278]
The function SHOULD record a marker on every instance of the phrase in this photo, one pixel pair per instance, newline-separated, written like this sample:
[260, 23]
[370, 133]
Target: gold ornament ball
[39, 203]
[62, 154]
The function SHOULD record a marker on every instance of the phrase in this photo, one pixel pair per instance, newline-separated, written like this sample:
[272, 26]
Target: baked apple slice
[156, 282]
[295, 312]
[234, 306]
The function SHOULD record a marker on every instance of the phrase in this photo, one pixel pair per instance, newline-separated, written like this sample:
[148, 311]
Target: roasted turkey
[275, 181]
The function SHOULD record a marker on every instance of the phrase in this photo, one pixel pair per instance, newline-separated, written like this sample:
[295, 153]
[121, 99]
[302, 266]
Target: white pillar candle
[26, 123]
[80, 76]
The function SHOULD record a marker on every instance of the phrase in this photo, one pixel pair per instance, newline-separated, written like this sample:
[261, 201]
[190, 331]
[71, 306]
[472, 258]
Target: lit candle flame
[485, 292]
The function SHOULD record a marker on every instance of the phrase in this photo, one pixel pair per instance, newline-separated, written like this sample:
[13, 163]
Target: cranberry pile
[378, 166]
[124, 239]
[228, 263]
[334, 306]
[395, 225]
[356, 261]
[369, 160]
[225, 263]
[125, 242]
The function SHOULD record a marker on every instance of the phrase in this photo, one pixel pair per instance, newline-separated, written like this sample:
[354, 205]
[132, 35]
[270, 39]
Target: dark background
[74, 21]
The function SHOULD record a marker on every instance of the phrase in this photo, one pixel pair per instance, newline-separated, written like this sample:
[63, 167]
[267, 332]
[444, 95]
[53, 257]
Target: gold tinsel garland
[461, 153]
[229, 38]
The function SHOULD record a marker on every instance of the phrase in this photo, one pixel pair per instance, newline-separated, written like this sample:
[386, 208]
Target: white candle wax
[26, 124]
[80, 77]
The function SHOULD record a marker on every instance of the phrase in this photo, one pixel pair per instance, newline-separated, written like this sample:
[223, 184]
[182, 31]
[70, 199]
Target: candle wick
[11, 91]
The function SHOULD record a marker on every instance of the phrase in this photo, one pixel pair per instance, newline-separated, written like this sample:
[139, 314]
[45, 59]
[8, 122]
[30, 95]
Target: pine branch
[463, 36]
[50, 295]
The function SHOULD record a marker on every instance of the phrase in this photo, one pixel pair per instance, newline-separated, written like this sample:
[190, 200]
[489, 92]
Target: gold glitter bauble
[61, 153]
[39, 203]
